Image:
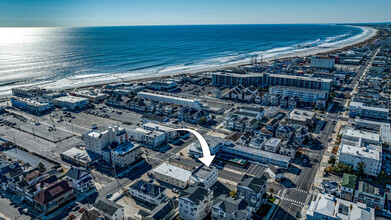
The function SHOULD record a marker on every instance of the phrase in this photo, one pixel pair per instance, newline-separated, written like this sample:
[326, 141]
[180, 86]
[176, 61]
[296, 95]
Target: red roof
[52, 192]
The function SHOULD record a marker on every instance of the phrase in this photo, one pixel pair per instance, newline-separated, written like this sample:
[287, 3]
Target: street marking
[292, 201]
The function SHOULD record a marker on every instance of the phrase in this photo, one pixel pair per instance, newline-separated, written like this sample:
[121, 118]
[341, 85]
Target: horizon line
[141, 25]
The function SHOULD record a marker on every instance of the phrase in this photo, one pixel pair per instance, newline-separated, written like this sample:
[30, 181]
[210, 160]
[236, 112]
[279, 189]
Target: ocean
[70, 57]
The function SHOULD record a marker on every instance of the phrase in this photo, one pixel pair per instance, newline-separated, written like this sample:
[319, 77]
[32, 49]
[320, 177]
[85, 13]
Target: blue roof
[124, 148]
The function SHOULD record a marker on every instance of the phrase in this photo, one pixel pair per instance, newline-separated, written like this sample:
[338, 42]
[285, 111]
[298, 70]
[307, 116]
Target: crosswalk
[300, 190]
[293, 201]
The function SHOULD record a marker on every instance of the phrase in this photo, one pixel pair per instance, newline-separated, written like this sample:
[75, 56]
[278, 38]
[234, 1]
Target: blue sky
[174, 12]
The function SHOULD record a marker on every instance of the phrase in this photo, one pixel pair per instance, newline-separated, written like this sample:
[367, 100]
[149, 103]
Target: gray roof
[76, 173]
[252, 182]
[370, 188]
[232, 206]
[195, 193]
[148, 188]
[107, 206]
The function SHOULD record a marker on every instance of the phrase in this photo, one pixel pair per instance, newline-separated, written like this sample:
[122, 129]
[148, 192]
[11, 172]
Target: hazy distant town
[293, 138]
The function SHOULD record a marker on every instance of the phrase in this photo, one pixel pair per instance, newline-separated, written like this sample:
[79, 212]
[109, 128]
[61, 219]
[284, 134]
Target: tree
[41, 167]
[232, 193]
[361, 169]
[271, 190]
[202, 120]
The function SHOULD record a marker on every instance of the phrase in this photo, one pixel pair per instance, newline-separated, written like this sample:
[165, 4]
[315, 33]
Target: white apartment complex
[95, 141]
[206, 175]
[360, 109]
[361, 146]
[169, 133]
[304, 95]
[322, 62]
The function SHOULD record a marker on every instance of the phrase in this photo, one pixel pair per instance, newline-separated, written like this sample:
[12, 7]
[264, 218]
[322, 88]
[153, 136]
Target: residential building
[299, 81]
[80, 179]
[80, 157]
[195, 202]
[370, 194]
[109, 209]
[205, 175]
[169, 133]
[234, 79]
[241, 93]
[29, 91]
[95, 141]
[326, 206]
[252, 189]
[322, 62]
[172, 175]
[271, 112]
[226, 207]
[123, 154]
[147, 192]
[360, 109]
[361, 147]
[147, 137]
[165, 211]
[71, 102]
[53, 196]
[273, 145]
[300, 117]
[303, 95]
[275, 173]
[285, 132]
[193, 103]
[348, 184]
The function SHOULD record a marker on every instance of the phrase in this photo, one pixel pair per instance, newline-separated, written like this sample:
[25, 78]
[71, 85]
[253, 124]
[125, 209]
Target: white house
[275, 173]
[80, 179]
[148, 192]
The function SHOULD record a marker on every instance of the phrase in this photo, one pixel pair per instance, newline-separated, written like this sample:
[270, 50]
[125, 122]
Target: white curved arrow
[207, 157]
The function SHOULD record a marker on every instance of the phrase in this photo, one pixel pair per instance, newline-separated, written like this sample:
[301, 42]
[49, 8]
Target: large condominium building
[95, 141]
[234, 79]
[361, 147]
[326, 206]
[299, 81]
[193, 103]
[260, 79]
[322, 62]
[301, 117]
[151, 138]
[360, 109]
[304, 95]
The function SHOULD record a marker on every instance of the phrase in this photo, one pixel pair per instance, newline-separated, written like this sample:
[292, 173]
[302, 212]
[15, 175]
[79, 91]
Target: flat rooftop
[300, 115]
[371, 108]
[173, 172]
[372, 136]
[71, 99]
[126, 148]
[141, 94]
[366, 152]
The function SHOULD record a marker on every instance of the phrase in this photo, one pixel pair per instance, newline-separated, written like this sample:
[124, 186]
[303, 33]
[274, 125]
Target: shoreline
[118, 77]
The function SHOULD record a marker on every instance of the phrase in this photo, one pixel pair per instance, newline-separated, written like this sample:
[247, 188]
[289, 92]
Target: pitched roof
[148, 188]
[232, 206]
[90, 215]
[76, 173]
[349, 181]
[253, 183]
[107, 206]
[52, 192]
[195, 193]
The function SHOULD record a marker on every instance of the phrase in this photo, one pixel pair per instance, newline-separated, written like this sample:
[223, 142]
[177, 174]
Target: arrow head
[207, 160]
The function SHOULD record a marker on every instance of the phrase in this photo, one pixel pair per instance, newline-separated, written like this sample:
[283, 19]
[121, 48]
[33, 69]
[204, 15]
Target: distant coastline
[366, 35]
